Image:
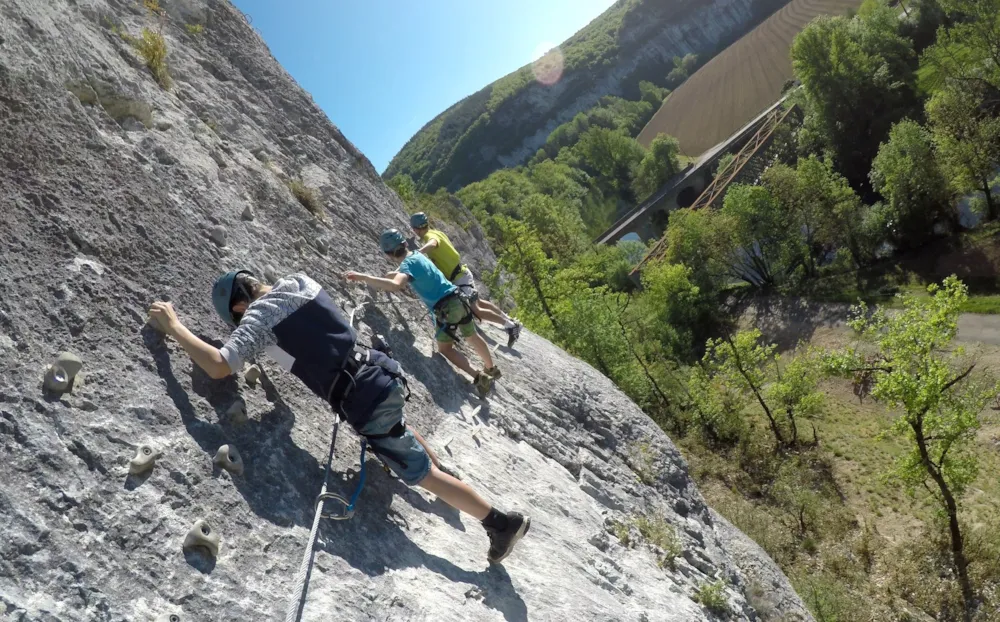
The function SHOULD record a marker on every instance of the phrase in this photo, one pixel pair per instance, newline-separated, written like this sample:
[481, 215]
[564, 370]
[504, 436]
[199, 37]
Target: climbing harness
[450, 328]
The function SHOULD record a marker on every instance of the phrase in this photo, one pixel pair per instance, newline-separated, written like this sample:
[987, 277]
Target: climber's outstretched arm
[394, 284]
[205, 355]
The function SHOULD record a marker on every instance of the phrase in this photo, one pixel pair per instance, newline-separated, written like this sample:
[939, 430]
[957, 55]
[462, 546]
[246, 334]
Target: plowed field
[736, 85]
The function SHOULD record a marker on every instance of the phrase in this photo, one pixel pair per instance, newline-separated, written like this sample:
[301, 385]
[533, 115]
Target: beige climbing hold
[252, 375]
[204, 537]
[447, 442]
[228, 458]
[60, 374]
[169, 617]
[145, 458]
[237, 412]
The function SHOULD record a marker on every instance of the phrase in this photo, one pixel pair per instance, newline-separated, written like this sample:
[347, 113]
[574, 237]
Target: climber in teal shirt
[451, 311]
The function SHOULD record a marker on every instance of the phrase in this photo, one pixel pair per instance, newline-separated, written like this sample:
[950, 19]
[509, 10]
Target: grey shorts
[403, 454]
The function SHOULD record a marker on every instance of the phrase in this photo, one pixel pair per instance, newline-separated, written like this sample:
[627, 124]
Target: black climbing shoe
[483, 384]
[502, 541]
[493, 372]
[513, 333]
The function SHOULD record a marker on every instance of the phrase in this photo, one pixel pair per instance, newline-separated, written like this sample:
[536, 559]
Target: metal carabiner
[346, 513]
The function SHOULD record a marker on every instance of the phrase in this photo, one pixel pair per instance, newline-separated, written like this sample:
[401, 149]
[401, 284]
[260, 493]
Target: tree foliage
[916, 369]
[907, 174]
[967, 138]
[857, 78]
[656, 167]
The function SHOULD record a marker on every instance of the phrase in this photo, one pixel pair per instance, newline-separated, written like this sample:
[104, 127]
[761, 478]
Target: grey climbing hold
[299, 244]
[60, 374]
[145, 458]
[252, 375]
[321, 245]
[270, 274]
[247, 213]
[218, 235]
[169, 617]
[202, 536]
[228, 458]
[237, 411]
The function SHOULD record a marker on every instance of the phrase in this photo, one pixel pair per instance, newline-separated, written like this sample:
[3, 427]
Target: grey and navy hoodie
[299, 326]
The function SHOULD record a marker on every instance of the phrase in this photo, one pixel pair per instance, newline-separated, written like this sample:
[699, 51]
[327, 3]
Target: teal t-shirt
[429, 282]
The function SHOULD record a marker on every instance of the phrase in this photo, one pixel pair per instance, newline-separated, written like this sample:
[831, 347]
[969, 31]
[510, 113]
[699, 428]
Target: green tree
[739, 370]
[520, 254]
[967, 140]
[557, 226]
[753, 232]
[652, 94]
[857, 79]
[822, 206]
[613, 156]
[917, 372]
[967, 51]
[694, 240]
[404, 187]
[658, 165]
[502, 192]
[907, 174]
[683, 68]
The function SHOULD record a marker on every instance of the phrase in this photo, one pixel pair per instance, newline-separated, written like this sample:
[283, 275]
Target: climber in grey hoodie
[297, 323]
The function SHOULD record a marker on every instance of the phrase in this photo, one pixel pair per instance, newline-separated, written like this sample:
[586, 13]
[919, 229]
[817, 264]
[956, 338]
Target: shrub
[713, 597]
[153, 49]
[306, 196]
[194, 29]
[659, 532]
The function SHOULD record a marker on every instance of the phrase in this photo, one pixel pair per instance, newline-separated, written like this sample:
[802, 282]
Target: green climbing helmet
[418, 220]
[222, 295]
[390, 240]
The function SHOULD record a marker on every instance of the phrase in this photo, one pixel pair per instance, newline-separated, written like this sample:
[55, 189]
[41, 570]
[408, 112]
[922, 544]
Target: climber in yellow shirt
[436, 245]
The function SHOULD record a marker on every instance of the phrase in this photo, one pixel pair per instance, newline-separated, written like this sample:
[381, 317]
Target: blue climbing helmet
[418, 220]
[391, 239]
[222, 295]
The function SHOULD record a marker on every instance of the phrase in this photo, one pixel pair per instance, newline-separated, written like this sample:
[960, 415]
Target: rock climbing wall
[115, 192]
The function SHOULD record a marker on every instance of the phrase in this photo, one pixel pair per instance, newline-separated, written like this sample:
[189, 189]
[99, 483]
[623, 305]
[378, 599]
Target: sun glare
[548, 63]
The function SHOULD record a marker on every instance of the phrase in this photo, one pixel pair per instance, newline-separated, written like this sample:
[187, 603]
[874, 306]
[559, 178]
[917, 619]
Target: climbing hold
[145, 458]
[247, 213]
[252, 375]
[169, 617]
[218, 235]
[204, 537]
[237, 412]
[299, 244]
[321, 245]
[270, 274]
[60, 374]
[228, 458]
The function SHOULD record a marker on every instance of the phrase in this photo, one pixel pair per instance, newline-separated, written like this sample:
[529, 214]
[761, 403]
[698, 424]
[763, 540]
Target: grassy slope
[738, 83]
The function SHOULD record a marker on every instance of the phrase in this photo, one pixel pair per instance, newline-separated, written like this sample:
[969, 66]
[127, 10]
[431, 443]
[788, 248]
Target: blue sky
[381, 69]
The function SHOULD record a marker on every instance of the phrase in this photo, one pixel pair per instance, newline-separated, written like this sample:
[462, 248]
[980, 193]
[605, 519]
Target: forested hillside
[506, 122]
[858, 449]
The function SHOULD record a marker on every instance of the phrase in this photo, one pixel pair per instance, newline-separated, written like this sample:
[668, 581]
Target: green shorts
[453, 311]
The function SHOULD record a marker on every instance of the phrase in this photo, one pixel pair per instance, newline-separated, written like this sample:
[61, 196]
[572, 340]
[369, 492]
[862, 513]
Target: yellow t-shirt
[444, 255]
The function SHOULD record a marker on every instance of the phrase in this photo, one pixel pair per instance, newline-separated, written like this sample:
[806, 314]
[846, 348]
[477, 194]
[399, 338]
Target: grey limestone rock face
[98, 218]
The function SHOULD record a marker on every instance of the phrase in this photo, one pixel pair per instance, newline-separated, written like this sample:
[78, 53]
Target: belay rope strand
[297, 606]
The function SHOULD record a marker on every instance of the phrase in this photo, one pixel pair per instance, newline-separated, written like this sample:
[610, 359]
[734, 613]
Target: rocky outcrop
[115, 192]
[486, 131]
